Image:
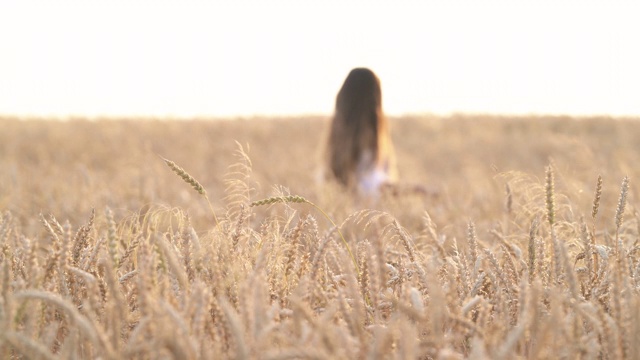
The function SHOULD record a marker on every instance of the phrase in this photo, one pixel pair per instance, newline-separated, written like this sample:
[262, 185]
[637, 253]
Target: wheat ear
[549, 189]
[300, 199]
[622, 203]
[194, 184]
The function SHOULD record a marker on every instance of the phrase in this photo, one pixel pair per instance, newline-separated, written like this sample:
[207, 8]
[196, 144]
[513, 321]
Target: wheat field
[506, 238]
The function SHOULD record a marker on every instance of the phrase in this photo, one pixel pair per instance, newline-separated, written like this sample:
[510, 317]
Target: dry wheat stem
[594, 214]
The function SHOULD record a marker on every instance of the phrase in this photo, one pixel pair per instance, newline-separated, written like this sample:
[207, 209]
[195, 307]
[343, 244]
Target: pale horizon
[210, 59]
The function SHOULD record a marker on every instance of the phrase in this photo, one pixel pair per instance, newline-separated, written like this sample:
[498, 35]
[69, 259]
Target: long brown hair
[359, 127]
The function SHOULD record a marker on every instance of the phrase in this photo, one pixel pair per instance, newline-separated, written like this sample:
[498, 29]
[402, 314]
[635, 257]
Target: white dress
[372, 176]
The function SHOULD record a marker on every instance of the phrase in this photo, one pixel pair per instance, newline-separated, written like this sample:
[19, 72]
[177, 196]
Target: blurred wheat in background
[211, 239]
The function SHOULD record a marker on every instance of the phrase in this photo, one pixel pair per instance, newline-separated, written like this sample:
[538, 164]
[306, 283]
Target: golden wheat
[458, 274]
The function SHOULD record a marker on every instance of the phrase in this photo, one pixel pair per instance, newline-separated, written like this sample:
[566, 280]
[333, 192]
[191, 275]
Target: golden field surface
[505, 238]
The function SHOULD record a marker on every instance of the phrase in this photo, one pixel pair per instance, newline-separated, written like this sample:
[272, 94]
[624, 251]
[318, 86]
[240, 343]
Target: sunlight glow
[242, 58]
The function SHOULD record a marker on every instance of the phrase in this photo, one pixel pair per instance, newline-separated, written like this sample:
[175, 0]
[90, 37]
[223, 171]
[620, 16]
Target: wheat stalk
[594, 213]
[532, 248]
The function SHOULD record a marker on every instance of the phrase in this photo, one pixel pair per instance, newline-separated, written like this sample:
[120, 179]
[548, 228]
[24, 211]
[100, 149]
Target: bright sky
[229, 58]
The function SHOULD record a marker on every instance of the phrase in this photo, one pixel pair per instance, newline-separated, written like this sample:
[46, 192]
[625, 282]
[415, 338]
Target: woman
[359, 150]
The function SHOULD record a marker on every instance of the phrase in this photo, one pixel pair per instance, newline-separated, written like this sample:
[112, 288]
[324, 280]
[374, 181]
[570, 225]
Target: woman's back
[359, 150]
